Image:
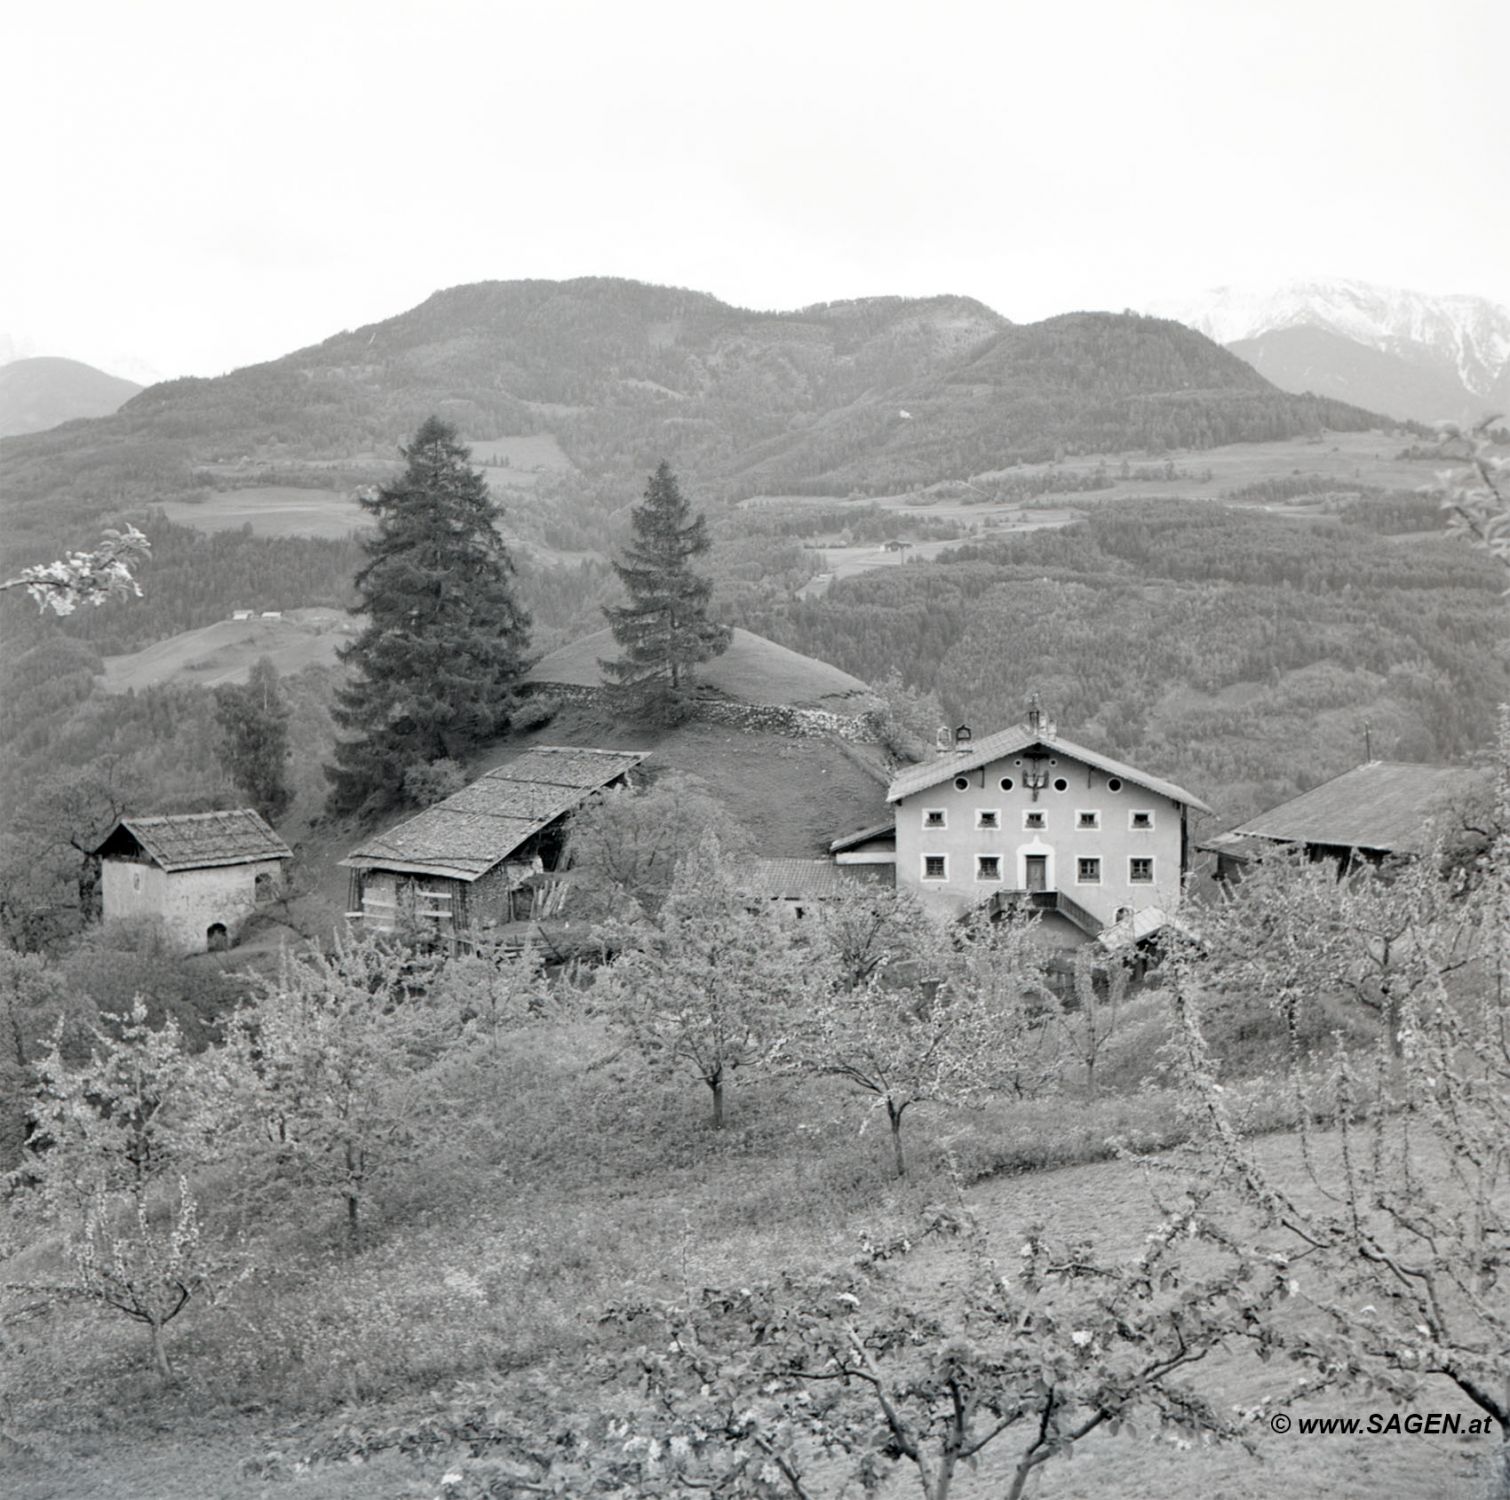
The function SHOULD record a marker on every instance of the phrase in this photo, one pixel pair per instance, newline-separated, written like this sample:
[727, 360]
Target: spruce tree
[437, 664]
[253, 747]
[664, 631]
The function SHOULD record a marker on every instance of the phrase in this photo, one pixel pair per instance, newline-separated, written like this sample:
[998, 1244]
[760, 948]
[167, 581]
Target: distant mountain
[1461, 344]
[1305, 358]
[36, 394]
[869, 395]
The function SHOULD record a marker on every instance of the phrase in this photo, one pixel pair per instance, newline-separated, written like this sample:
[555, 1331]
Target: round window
[1114, 784]
[1060, 784]
[962, 783]
[1007, 783]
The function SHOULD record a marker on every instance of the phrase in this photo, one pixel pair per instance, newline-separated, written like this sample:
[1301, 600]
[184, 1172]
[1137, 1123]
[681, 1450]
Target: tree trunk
[717, 1087]
[353, 1222]
[159, 1351]
[895, 1116]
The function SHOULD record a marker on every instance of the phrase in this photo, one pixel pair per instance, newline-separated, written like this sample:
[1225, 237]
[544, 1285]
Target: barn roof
[1014, 741]
[864, 836]
[482, 824]
[197, 841]
[1382, 805]
[811, 878]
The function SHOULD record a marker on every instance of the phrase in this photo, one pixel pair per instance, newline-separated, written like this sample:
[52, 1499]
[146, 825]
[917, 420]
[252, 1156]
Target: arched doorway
[216, 938]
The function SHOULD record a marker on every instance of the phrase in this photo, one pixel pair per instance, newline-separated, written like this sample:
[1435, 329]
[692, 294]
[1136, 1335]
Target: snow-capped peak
[1469, 335]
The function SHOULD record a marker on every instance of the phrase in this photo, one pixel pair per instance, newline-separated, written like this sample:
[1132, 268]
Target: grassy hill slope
[752, 670]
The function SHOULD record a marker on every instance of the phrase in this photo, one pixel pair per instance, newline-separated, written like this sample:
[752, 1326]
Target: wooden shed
[487, 855]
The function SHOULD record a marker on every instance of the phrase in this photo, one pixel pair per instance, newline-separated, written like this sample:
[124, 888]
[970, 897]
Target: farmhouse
[1375, 810]
[1027, 816]
[200, 874]
[489, 854]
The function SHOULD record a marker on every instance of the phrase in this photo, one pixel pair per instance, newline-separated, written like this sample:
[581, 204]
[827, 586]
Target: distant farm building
[242, 614]
[793, 888]
[1024, 817]
[201, 874]
[272, 614]
[1378, 809]
[490, 854]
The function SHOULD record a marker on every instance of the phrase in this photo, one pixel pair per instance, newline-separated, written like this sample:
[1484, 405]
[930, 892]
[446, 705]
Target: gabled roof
[482, 824]
[864, 836]
[1382, 805]
[811, 878]
[1014, 741]
[197, 841]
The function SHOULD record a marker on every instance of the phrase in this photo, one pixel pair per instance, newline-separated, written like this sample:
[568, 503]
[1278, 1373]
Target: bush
[433, 781]
[536, 711]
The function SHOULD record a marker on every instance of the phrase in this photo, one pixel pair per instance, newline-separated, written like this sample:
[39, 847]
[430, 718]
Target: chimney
[962, 740]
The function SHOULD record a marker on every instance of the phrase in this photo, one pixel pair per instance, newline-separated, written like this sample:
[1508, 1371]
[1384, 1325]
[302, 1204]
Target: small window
[933, 817]
[1007, 783]
[1114, 784]
[1142, 820]
[1060, 784]
[1087, 819]
[1033, 817]
[987, 817]
[962, 783]
[988, 867]
[1140, 870]
[935, 867]
[1088, 870]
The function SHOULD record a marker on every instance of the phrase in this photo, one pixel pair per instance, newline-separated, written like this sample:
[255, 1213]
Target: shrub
[433, 781]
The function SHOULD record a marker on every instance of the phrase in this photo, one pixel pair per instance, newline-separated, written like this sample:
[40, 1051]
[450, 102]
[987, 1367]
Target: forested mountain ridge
[623, 375]
[1241, 653]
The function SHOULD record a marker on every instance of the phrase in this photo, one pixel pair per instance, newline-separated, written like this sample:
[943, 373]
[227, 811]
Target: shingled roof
[1386, 806]
[1014, 741]
[197, 841]
[482, 824]
[809, 878]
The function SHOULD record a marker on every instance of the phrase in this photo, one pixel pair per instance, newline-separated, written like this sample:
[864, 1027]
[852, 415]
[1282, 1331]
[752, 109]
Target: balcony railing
[1067, 907]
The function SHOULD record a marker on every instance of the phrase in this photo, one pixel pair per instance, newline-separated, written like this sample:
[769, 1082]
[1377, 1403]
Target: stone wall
[772, 718]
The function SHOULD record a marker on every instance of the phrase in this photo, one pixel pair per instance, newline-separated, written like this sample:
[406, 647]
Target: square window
[1087, 820]
[933, 817]
[1088, 870]
[1142, 820]
[988, 818]
[988, 867]
[1033, 818]
[1140, 870]
[935, 867]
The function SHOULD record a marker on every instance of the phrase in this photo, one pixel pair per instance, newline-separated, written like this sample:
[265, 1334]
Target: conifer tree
[664, 631]
[253, 749]
[436, 667]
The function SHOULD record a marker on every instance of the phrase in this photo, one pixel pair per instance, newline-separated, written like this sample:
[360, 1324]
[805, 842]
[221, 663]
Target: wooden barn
[201, 874]
[1378, 809]
[490, 854]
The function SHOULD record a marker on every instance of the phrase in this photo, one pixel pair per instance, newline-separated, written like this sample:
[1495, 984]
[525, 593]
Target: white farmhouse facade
[1027, 815]
[201, 874]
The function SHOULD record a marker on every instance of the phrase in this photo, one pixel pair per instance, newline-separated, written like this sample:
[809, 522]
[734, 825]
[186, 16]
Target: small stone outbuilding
[201, 874]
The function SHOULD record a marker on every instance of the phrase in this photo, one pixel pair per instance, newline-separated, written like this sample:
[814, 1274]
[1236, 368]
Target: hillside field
[224, 652]
[271, 510]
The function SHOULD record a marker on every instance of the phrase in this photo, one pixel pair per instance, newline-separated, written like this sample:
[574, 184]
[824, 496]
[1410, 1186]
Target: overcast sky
[198, 186]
